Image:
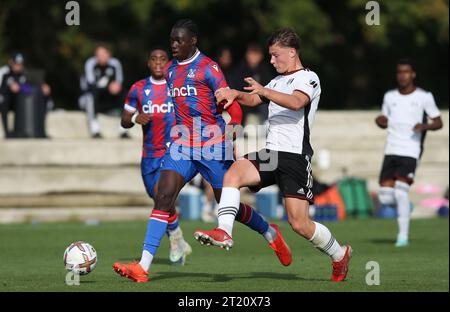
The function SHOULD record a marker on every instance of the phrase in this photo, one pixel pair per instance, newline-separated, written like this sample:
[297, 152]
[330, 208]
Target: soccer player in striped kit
[149, 105]
[201, 145]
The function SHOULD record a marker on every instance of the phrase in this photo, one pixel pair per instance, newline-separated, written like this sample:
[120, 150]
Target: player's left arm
[235, 112]
[433, 113]
[295, 101]
[436, 124]
[216, 80]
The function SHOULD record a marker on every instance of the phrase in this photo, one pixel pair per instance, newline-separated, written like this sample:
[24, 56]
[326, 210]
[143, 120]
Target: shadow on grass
[155, 261]
[382, 241]
[214, 278]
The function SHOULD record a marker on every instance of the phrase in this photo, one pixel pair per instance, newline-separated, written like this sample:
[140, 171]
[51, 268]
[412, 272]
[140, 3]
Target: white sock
[403, 209]
[94, 126]
[216, 210]
[146, 260]
[325, 242]
[122, 130]
[175, 232]
[386, 196]
[270, 235]
[228, 208]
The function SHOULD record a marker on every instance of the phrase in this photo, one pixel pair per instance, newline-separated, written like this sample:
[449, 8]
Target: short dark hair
[157, 47]
[407, 61]
[285, 37]
[189, 25]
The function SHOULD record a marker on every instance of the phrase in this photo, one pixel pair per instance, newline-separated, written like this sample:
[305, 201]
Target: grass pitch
[31, 259]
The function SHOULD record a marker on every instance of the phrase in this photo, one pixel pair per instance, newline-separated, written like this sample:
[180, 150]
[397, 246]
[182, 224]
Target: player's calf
[303, 228]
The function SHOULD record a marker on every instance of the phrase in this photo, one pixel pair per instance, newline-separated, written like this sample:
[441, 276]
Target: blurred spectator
[253, 66]
[101, 88]
[17, 83]
[225, 61]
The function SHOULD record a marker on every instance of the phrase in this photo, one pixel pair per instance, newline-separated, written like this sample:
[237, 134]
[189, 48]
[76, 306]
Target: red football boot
[280, 247]
[216, 237]
[340, 268]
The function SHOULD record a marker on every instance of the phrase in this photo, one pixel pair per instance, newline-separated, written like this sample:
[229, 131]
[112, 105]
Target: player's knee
[386, 196]
[232, 179]
[401, 189]
[301, 227]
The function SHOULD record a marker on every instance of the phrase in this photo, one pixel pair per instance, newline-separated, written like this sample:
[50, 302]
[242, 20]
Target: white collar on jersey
[191, 59]
[157, 82]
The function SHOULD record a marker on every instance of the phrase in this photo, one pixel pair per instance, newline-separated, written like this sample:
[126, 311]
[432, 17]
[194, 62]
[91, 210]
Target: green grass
[31, 259]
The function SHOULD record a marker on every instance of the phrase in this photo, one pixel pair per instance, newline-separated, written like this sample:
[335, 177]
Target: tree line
[355, 61]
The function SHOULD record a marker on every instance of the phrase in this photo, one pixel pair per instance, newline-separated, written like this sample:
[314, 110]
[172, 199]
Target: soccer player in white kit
[405, 114]
[286, 161]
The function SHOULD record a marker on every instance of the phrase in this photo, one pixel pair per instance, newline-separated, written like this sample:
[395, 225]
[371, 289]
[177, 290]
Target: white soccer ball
[80, 258]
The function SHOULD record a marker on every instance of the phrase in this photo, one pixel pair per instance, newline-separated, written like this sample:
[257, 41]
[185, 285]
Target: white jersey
[289, 130]
[403, 112]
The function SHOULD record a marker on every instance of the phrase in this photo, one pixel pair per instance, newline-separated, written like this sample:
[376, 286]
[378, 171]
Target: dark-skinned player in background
[149, 105]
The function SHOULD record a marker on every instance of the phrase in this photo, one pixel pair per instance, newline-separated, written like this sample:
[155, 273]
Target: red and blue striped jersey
[192, 84]
[150, 96]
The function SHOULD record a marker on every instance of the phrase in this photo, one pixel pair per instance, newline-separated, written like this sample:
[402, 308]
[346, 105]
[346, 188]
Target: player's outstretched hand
[254, 86]
[143, 119]
[226, 95]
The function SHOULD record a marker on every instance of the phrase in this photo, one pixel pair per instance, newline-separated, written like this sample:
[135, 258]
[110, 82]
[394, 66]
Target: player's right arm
[126, 122]
[230, 95]
[130, 109]
[141, 119]
[382, 120]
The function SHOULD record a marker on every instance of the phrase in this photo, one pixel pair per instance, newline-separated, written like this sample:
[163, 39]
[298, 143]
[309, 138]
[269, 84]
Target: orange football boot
[133, 271]
[280, 247]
